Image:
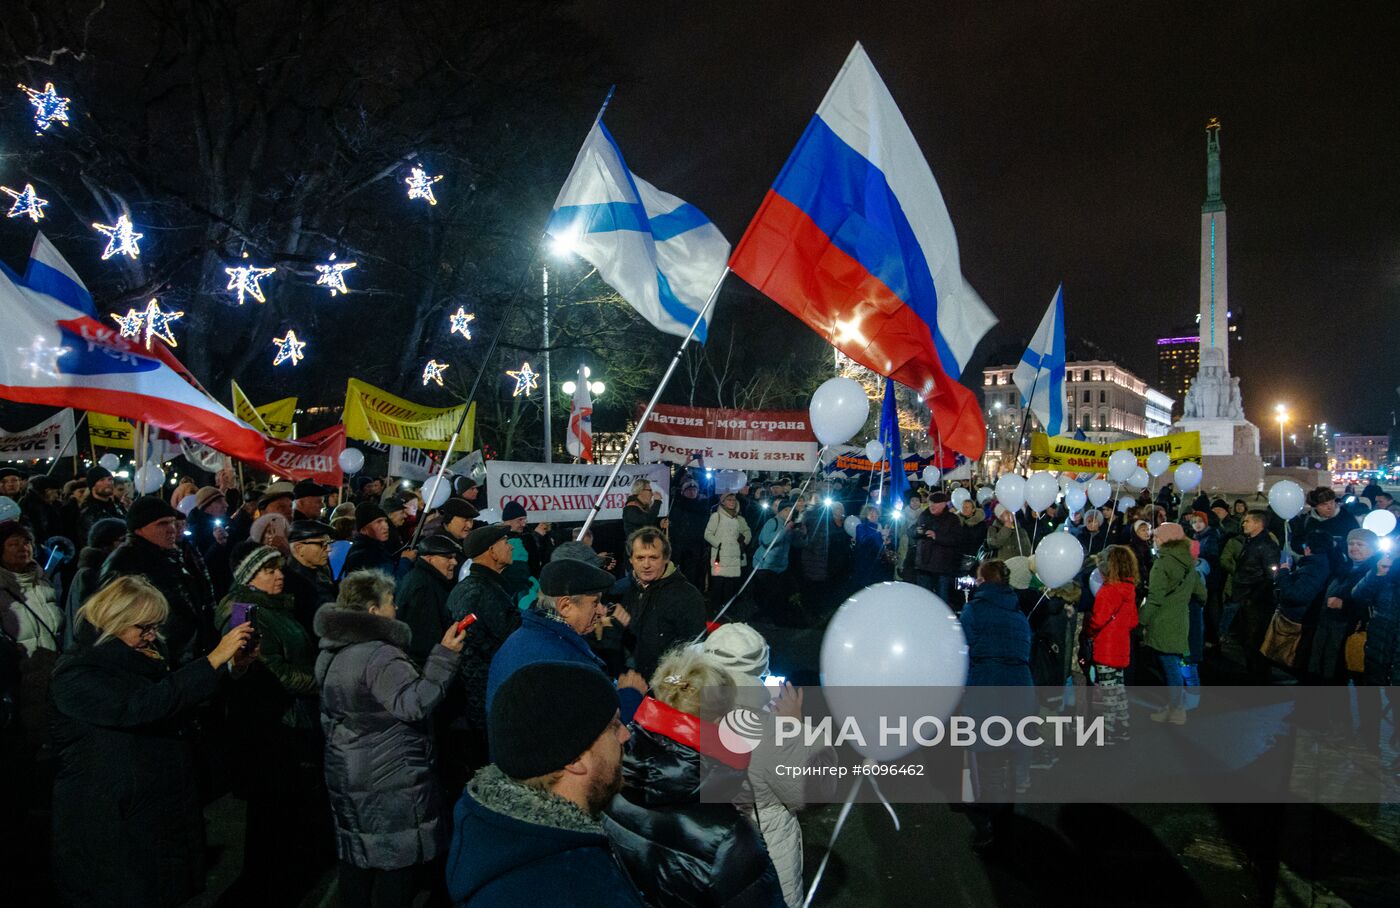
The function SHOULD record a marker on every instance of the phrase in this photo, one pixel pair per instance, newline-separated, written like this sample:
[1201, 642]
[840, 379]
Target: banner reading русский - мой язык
[770, 440]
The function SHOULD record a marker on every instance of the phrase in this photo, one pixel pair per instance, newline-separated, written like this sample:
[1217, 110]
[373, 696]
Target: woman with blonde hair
[677, 849]
[128, 828]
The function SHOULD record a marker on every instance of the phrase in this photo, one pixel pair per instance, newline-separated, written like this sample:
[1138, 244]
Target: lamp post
[1281, 414]
[562, 246]
[595, 388]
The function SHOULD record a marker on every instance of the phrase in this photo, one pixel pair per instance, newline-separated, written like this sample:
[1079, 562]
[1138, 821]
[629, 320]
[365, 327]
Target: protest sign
[375, 415]
[1062, 453]
[772, 440]
[47, 439]
[564, 493]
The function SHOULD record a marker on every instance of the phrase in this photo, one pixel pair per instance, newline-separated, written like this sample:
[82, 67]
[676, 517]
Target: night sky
[1069, 143]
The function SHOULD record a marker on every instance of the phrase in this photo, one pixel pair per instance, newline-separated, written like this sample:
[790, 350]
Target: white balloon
[1188, 476]
[1158, 462]
[1139, 479]
[1125, 505]
[850, 525]
[1075, 499]
[1379, 522]
[1099, 492]
[924, 450]
[874, 451]
[1095, 582]
[1041, 490]
[931, 475]
[958, 497]
[109, 462]
[839, 409]
[435, 493]
[149, 479]
[1011, 491]
[1121, 465]
[892, 649]
[186, 505]
[985, 494]
[489, 515]
[8, 509]
[1058, 559]
[1286, 498]
[352, 460]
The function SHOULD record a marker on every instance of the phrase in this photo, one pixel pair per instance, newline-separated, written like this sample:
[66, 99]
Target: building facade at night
[1359, 452]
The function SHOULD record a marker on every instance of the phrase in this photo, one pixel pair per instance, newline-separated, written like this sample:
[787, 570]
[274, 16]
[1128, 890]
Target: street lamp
[563, 246]
[596, 388]
[1281, 414]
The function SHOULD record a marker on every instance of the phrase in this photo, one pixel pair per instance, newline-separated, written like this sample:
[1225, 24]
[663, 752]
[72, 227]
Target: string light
[49, 108]
[460, 319]
[333, 275]
[288, 348]
[26, 202]
[158, 323]
[131, 322]
[433, 372]
[526, 380]
[244, 279]
[420, 185]
[121, 238]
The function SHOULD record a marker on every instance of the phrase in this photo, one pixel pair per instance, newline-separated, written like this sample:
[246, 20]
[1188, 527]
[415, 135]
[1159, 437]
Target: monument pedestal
[1230, 458]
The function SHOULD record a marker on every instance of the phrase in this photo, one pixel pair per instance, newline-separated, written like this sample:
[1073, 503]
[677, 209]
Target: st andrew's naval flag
[57, 352]
[1040, 376]
[855, 240]
[661, 254]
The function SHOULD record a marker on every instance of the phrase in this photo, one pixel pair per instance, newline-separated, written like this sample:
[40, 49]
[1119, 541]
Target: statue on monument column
[1214, 394]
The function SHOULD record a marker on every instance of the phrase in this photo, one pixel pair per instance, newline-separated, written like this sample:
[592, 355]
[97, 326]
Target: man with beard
[527, 829]
[101, 501]
[307, 574]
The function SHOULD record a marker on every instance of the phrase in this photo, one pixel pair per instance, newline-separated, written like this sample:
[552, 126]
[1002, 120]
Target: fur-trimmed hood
[496, 791]
[338, 627]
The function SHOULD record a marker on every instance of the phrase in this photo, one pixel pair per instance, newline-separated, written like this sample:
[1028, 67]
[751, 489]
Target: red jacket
[1111, 622]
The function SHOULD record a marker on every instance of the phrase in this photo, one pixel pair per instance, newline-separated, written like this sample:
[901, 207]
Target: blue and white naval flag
[661, 254]
[1040, 375]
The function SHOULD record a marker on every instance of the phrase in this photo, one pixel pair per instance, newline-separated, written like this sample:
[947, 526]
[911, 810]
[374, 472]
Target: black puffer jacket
[189, 631]
[497, 617]
[678, 850]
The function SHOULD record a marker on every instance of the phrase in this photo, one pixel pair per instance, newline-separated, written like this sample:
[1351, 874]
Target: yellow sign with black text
[375, 415]
[1063, 454]
[273, 420]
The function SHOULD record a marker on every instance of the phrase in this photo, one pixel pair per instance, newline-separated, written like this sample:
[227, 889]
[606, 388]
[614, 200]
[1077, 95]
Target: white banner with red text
[564, 493]
[771, 440]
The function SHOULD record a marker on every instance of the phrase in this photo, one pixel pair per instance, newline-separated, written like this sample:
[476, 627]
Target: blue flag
[889, 437]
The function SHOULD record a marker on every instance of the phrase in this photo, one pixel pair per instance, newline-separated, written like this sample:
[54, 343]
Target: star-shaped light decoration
[158, 323]
[433, 372]
[244, 279]
[288, 348]
[26, 202]
[42, 359]
[420, 185]
[49, 108]
[526, 380]
[131, 322]
[333, 275]
[460, 320]
[121, 238]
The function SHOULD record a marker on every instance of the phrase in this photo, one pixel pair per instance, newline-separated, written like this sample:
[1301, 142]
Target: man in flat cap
[307, 574]
[421, 596]
[554, 629]
[309, 500]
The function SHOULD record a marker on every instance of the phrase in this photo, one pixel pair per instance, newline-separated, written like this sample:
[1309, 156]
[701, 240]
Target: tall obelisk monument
[1215, 284]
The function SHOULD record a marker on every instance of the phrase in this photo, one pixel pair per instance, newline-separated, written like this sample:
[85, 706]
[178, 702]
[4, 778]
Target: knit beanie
[105, 532]
[1168, 532]
[253, 559]
[546, 714]
[741, 650]
[368, 513]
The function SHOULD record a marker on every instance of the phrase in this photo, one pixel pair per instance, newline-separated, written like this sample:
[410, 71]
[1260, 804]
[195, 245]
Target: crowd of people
[562, 698]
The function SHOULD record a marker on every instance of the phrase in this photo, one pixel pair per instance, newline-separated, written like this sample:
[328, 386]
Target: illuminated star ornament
[420, 185]
[288, 348]
[158, 323]
[460, 320]
[130, 323]
[526, 380]
[49, 108]
[42, 359]
[244, 279]
[121, 238]
[333, 275]
[26, 202]
[433, 372]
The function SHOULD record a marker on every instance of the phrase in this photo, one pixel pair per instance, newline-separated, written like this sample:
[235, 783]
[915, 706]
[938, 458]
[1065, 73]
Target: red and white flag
[579, 441]
[56, 352]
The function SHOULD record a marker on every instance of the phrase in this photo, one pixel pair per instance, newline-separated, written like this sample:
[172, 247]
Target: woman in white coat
[728, 535]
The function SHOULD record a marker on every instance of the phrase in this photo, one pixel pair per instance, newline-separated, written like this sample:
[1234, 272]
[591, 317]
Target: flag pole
[655, 399]
[1025, 424]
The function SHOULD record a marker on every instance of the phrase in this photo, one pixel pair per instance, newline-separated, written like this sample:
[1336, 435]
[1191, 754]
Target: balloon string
[831, 845]
[889, 808]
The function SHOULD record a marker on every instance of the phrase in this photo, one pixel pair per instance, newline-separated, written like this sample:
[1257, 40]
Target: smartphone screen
[240, 613]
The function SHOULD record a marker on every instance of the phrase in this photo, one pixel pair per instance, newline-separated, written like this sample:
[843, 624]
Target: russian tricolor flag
[855, 240]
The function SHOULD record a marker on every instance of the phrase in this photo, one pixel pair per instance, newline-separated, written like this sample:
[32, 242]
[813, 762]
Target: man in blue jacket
[527, 829]
[553, 629]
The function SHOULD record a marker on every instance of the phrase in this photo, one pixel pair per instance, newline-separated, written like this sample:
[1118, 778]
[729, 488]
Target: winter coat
[515, 846]
[29, 611]
[688, 519]
[1252, 584]
[678, 849]
[1301, 587]
[202, 536]
[375, 709]
[1166, 616]
[1326, 658]
[497, 617]
[1383, 630]
[189, 629]
[728, 538]
[998, 638]
[634, 516]
[421, 598]
[288, 654]
[1002, 540]
[542, 638]
[939, 555]
[95, 509]
[664, 613]
[368, 553]
[46, 519]
[867, 566]
[776, 558]
[974, 531]
[826, 551]
[310, 588]
[1111, 623]
[84, 584]
[128, 828]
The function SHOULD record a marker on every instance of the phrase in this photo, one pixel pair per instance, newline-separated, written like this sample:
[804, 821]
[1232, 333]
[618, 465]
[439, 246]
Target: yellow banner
[273, 420]
[110, 431]
[1062, 453]
[375, 415]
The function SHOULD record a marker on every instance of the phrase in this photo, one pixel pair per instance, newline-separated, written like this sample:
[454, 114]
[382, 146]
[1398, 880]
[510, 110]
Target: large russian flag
[59, 353]
[854, 239]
